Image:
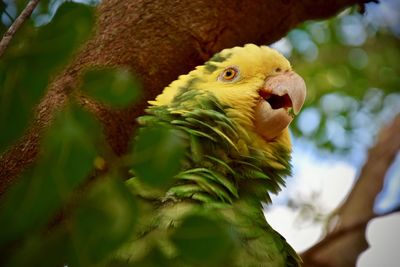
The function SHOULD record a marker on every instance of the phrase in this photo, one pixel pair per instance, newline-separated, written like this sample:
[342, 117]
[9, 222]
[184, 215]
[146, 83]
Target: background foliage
[350, 64]
[351, 68]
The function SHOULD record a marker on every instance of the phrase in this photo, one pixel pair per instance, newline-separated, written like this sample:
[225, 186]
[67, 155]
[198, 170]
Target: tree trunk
[159, 40]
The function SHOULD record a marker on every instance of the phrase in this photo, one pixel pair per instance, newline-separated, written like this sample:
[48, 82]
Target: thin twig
[25, 14]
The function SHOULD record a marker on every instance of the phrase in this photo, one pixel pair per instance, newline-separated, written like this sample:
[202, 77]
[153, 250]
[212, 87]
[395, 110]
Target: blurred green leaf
[357, 61]
[67, 156]
[203, 240]
[71, 145]
[116, 87]
[103, 222]
[157, 155]
[2, 6]
[155, 258]
[33, 56]
[49, 250]
[43, 7]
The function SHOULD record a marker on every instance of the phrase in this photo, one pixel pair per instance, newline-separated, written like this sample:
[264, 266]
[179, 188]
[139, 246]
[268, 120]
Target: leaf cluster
[73, 207]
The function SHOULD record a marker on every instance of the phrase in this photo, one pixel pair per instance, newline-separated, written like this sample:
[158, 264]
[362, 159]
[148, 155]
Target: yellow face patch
[234, 76]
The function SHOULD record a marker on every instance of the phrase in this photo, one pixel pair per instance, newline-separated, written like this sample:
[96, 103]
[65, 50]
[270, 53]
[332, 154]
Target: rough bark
[159, 40]
[342, 245]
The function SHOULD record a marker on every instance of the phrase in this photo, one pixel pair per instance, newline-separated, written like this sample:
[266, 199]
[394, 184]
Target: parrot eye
[229, 74]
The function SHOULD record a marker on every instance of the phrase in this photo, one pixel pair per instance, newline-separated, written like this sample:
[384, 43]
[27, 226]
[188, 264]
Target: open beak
[281, 97]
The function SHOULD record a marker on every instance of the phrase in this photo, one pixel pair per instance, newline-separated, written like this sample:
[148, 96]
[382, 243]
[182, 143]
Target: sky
[320, 185]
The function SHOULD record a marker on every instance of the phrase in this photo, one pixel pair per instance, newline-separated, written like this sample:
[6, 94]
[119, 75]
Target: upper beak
[279, 94]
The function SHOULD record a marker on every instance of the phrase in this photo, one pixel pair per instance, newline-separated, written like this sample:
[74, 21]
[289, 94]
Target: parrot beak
[280, 96]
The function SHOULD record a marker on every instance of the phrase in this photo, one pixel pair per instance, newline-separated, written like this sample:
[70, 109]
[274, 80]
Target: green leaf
[66, 159]
[154, 259]
[202, 240]
[33, 57]
[103, 222]
[2, 6]
[47, 250]
[116, 87]
[158, 154]
[72, 143]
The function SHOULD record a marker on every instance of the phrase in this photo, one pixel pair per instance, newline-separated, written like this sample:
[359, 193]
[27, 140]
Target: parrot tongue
[276, 101]
[280, 95]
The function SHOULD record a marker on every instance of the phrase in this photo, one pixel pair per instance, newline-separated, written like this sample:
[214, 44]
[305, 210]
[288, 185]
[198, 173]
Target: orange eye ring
[229, 74]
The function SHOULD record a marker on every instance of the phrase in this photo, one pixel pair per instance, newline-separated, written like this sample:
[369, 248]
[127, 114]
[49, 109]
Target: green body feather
[222, 173]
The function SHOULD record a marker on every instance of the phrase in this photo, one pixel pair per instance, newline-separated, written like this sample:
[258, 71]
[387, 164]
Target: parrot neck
[225, 160]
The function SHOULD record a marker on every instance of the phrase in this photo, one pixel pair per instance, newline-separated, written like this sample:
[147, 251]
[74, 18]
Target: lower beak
[280, 96]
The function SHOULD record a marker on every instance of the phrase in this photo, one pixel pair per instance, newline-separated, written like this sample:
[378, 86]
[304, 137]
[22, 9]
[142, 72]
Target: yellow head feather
[254, 64]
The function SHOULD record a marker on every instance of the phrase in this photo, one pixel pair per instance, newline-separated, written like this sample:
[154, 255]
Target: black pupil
[229, 73]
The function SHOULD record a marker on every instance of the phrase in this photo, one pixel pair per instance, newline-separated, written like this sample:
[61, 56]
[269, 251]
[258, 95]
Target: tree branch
[347, 238]
[25, 14]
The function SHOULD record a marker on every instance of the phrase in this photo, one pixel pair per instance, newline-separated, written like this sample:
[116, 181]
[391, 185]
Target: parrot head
[256, 83]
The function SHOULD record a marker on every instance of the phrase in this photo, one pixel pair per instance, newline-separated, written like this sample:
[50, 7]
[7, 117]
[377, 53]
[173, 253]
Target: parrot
[234, 112]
